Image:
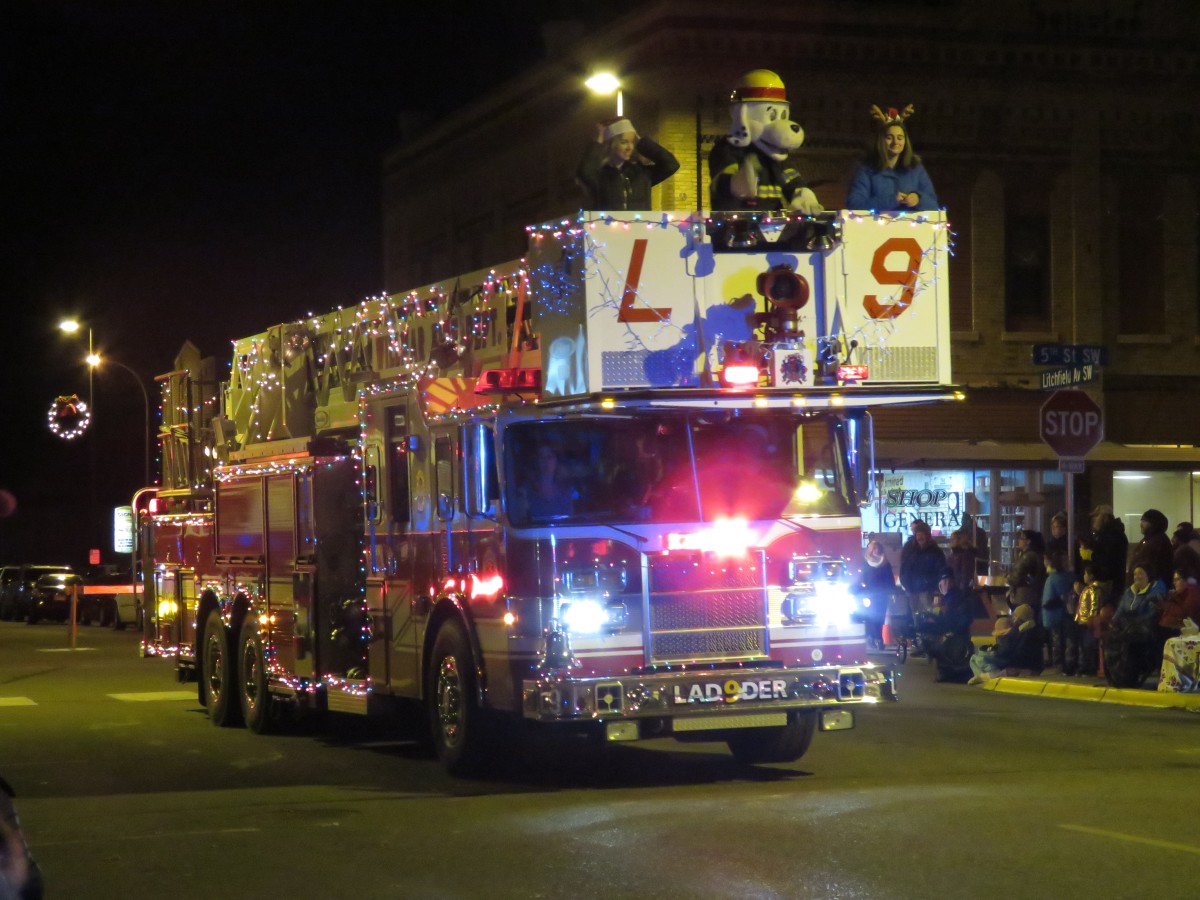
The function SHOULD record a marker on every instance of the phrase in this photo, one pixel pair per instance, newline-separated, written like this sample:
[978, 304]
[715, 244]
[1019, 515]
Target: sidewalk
[1097, 690]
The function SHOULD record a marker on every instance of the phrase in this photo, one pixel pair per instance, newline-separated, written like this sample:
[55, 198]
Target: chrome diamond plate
[706, 609]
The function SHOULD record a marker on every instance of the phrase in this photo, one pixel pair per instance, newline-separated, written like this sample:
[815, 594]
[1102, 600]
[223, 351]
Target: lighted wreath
[69, 417]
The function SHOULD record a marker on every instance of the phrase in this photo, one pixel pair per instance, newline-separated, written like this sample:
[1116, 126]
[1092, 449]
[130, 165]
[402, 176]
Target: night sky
[180, 170]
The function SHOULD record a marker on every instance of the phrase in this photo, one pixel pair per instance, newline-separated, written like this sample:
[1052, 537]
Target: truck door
[339, 611]
[394, 657]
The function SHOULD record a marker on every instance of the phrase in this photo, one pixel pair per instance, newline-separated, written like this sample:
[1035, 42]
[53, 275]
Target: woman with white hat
[620, 166]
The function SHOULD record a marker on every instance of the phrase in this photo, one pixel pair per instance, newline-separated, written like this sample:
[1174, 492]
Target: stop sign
[1071, 423]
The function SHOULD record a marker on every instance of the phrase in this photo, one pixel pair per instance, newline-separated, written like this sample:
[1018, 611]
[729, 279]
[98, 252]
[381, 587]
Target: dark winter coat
[777, 181]
[628, 187]
[1154, 551]
[1110, 548]
[920, 568]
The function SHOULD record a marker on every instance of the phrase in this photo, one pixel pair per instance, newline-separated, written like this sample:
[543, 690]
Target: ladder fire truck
[612, 486]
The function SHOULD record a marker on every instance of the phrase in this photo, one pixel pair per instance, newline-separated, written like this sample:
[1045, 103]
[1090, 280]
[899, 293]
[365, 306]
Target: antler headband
[892, 117]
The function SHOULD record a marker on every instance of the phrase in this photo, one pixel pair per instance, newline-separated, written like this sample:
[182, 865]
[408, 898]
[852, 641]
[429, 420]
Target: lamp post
[73, 326]
[95, 361]
[605, 83]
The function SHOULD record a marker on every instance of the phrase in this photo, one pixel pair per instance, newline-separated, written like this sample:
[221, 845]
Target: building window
[954, 194]
[1140, 238]
[1027, 257]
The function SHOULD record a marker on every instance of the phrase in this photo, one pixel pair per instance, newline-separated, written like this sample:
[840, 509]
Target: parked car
[110, 597]
[17, 585]
[51, 599]
[8, 582]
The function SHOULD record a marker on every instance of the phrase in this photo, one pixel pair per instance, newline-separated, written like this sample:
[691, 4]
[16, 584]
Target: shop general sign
[941, 508]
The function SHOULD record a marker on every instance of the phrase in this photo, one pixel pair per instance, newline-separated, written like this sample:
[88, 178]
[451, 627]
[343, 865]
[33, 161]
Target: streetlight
[73, 326]
[95, 361]
[605, 83]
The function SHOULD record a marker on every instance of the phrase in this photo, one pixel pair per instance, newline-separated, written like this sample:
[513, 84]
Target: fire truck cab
[586, 489]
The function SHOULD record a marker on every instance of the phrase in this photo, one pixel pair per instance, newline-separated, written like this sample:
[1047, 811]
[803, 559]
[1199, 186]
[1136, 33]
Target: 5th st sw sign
[1071, 423]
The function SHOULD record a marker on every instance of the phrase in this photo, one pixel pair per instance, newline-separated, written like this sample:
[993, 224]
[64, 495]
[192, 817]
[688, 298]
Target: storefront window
[1174, 494]
[991, 505]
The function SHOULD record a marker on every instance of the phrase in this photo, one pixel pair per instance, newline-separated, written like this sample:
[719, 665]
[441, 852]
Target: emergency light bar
[852, 373]
[509, 381]
[741, 369]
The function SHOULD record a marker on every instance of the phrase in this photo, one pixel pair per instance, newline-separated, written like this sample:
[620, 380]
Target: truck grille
[706, 609]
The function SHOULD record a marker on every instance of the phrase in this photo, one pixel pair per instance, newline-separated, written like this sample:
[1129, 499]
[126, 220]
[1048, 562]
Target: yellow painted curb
[1031, 687]
[1131, 697]
[1073, 691]
[1018, 686]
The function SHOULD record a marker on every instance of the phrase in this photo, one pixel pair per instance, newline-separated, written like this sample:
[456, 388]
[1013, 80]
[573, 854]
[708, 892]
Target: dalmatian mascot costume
[747, 167]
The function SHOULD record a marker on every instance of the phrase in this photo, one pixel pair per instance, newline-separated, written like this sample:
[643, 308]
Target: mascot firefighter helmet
[748, 166]
[759, 110]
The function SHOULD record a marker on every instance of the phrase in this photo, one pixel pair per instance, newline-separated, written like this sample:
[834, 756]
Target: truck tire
[456, 723]
[787, 743]
[253, 696]
[217, 673]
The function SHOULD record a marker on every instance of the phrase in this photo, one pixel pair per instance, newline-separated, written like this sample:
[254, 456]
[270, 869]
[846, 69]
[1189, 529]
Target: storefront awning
[923, 454]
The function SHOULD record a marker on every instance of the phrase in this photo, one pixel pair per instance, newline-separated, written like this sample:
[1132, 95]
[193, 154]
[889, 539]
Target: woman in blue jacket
[891, 178]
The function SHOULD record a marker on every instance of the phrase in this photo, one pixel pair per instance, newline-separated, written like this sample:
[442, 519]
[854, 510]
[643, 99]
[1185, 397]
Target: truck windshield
[674, 468]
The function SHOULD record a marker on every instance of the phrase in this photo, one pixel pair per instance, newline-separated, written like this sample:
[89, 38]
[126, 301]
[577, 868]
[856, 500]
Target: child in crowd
[1082, 631]
[1056, 594]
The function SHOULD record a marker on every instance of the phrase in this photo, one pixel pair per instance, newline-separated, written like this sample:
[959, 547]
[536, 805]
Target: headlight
[588, 616]
[819, 603]
[835, 603]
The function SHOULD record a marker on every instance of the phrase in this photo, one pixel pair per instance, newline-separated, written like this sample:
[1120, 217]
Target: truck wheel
[253, 695]
[455, 719]
[216, 672]
[775, 745]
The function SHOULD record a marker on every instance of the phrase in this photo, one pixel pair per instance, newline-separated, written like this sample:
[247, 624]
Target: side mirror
[479, 470]
[862, 457]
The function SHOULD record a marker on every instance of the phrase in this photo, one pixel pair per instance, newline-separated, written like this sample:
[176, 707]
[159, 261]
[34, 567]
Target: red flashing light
[740, 375]
[741, 369]
[509, 381]
[852, 373]
[486, 588]
[726, 537]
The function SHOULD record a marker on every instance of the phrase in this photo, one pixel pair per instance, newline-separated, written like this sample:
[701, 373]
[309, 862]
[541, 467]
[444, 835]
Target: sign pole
[1069, 499]
[74, 612]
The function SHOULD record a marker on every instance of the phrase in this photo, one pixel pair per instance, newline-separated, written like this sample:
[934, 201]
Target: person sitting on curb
[1180, 604]
[1129, 648]
[1018, 653]
[1028, 655]
[986, 664]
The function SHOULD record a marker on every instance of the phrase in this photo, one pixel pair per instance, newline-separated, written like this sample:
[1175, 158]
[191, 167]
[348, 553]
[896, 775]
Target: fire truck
[613, 486]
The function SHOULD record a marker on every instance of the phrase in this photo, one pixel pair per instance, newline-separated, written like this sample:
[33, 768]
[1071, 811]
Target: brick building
[1063, 138]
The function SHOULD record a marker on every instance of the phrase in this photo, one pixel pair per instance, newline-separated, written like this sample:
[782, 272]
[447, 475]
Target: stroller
[941, 635]
[902, 624]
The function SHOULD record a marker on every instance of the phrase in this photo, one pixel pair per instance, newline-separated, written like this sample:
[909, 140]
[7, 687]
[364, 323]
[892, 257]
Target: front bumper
[702, 692]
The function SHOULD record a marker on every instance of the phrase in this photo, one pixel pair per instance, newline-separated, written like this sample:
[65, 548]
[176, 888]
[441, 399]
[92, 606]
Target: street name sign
[1069, 354]
[1069, 376]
